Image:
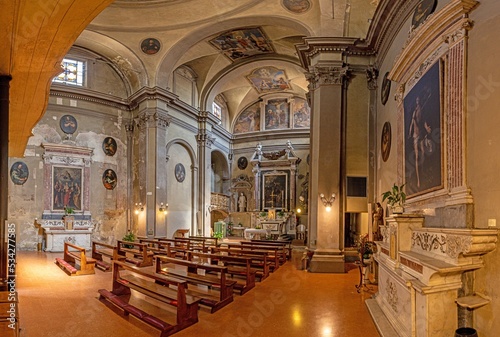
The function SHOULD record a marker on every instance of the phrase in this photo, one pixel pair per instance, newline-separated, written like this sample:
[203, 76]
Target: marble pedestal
[327, 261]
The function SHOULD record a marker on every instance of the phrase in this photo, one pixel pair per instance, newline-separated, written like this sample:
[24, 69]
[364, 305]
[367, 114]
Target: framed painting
[180, 172]
[242, 43]
[423, 144]
[109, 179]
[385, 142]
[19, 173]
[297, 6]
[150, 46]
[386, 89]
[277, 114]
[422, 11]
[109, 146]
[275, 190]
[269, 79]
[68, 124]
[67, 188]
[248, 120]
[301, 114]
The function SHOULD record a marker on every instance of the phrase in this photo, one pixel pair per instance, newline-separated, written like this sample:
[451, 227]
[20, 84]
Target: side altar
[67, 187]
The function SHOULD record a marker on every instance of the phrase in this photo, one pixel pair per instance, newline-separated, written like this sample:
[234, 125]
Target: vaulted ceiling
[186, 31]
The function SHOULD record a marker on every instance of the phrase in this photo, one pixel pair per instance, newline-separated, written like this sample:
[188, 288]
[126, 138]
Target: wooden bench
[258, 259]
[220, 289]
[74, 258]
[279, 249]
[101, 250]
[157, 247]
[236, 265]
[152, 285]
[287, 245]
[135, 252]
[274, 254]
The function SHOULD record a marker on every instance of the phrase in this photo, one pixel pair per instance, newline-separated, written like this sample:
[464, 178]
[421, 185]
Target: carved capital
[327, 75]
[152, 118]
[371, 77]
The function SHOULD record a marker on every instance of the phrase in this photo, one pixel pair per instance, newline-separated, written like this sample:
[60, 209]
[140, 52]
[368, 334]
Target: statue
[378, 220]
[242, 203]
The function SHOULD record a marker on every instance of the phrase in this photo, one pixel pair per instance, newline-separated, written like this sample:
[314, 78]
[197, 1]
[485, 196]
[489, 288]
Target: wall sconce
[327, 201]
[163, 208]
[138, 208]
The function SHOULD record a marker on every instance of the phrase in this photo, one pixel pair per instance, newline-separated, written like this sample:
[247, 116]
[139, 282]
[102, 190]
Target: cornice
[91, 96]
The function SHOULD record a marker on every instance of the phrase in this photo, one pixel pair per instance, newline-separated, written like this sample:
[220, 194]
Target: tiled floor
[290, 302]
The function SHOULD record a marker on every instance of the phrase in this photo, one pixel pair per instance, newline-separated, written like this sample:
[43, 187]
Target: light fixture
[299, 210]
[327, 201]
[163, 208]
[138, 208]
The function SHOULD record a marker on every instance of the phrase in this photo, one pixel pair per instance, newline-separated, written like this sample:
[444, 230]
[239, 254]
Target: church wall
[481, 155]
[483, 100]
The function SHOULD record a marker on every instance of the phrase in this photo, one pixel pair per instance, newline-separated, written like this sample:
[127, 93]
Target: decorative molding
[392, 295]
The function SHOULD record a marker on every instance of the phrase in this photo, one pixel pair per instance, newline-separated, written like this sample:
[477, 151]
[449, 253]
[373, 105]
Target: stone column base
[327, 261]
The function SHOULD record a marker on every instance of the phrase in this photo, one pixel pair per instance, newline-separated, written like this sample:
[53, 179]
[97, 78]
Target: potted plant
[130, 237]
[68, 217]
[396, 198]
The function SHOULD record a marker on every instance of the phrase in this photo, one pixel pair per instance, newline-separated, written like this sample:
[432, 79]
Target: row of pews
[183, 274]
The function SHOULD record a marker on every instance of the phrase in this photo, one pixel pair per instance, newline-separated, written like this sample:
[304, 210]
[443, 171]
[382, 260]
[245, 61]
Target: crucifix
[272, 195]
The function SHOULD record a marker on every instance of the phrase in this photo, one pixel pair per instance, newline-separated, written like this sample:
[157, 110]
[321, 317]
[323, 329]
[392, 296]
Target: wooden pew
[236, 265]
[220, 292]
[281, 248]
[274, 253]
[152, 285]
[138, 253]
[74, 258]
[101, 250]
[209, 241]
[286, 244]
[259, 259]
[157, 247]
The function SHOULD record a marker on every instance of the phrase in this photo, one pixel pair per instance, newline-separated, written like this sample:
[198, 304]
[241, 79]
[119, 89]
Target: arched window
[73, 73]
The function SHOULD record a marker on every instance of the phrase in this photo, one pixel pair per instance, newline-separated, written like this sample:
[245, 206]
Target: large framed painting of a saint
[67, 188]
[275, 190]
[423, 144]
[277, 114]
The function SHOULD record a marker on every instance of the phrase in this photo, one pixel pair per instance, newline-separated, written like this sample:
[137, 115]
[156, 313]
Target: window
[73, 72]
[217, 110]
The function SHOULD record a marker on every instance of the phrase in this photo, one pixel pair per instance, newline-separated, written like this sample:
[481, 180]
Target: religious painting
[277, 114]
[150, 46]
[109, 146]
[422, 11]
[275, 190]
[385, 143]
[301, 114]
[297, 6]
[109, 179]
[386, 89]
[68, 124]
[242, 163]
[242, 43]
[67, 188]
[268, 79]
[19, 173]
[248, 120]
[180, 172]
[423, 145]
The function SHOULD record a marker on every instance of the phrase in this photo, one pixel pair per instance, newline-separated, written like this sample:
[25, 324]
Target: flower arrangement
[130, 237]
[395, 197]
[365, 247]
[69, 210]
[229, 228]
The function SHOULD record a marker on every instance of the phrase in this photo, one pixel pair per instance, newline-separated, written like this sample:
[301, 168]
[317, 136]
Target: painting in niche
[277, 114]
[301, 114]
[248, 120]
[297, 6]
[422, 119]
[19, 173]
[422, 11]
[109, 179]
[67, 188]
[385, 142]
[268, 79]
[109, 146]
[68, 124]
[274, 189]
[241, 43]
